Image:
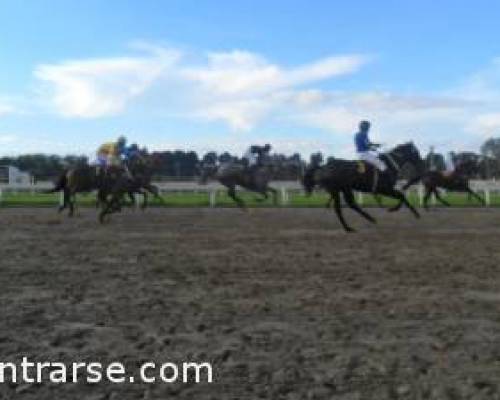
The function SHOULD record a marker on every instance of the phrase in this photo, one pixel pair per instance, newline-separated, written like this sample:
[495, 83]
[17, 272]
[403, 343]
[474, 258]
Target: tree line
[184, 164]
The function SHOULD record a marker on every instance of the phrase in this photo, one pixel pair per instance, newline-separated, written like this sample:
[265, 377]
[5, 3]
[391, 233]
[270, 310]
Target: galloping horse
[87, 178]
[141, 168]
[457, 181]
[232, 174]
[84, 179]
[342, 176]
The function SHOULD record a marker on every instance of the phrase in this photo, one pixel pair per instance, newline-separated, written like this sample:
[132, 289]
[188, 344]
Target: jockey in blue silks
[367, 151]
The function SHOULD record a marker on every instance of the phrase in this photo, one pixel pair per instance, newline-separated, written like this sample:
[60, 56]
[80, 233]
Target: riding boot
[100, 174]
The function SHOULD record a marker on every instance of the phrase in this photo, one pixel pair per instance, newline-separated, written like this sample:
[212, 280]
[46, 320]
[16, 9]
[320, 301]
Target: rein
[391, 159]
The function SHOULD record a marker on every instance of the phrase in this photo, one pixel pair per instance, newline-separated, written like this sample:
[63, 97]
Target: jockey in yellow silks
[115, 154]
[110, 154]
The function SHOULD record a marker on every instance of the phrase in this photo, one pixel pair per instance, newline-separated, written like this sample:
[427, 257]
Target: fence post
[213, 197]
[434, 200]
[284, 196]
[360, 198]
[487, 197]
[420, 195]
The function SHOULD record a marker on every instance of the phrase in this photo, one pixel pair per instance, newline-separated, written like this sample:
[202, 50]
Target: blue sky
[224, 74]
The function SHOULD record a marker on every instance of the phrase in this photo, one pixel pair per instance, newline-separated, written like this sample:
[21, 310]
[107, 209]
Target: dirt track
[283, 302]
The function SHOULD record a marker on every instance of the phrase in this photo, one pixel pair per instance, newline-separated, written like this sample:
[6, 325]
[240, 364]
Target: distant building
[14, 176]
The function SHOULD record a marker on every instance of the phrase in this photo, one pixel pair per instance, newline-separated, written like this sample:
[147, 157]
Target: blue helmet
[364, 126]
[122, 141]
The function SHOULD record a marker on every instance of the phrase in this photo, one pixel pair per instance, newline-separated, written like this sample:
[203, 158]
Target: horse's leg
[105, 210]
[396, 207]
[475, 195]
[338, 211]
[231, 191]
[65, 201]
[378, 199]
[440, 198]
[145, 200]
[72, 200]
[398, 195]
[351, 201]
[111, 206]
[131, 196]
[118, 201]
[154, 191]
[427, 196]
[101, 198]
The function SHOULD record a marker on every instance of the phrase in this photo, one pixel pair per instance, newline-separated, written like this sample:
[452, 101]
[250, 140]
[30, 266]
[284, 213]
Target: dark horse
[342, 176]
[141, 168]
[233, 174]
[457, 181]
[84, 179]
[87, 178]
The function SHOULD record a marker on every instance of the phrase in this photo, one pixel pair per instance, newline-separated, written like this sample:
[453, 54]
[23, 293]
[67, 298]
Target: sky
[221, 75]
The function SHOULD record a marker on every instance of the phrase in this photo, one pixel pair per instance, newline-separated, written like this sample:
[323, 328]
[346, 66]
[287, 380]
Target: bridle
[390, 157]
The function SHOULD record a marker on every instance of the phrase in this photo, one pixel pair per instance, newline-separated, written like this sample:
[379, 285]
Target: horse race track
[281, 301]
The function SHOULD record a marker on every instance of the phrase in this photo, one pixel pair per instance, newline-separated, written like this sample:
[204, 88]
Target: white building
[13, 176]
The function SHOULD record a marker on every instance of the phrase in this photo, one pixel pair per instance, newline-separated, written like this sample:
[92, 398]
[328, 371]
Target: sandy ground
[282, 302]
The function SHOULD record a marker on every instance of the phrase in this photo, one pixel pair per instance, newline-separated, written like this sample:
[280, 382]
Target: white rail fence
[285, 189]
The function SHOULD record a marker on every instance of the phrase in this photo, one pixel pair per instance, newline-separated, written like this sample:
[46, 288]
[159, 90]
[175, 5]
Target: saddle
[361, 166]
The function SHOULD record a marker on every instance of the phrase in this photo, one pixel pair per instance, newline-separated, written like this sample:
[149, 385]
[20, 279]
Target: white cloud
[240, 114]
[243, 90]
[243, 73]
[6, 107]
[235, 73]
[239, 88]
[103, 86]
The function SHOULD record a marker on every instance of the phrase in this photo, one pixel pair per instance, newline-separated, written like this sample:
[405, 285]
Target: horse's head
[407, 153]
[140, 165]
[309, 179]
[468, 167]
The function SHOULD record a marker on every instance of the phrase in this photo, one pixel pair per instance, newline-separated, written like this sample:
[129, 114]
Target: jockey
[367, 151]
[255, 155]
[131, 152]
[114, 153]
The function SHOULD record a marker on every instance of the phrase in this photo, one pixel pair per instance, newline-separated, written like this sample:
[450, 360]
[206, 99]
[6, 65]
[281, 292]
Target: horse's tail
[61, 184]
